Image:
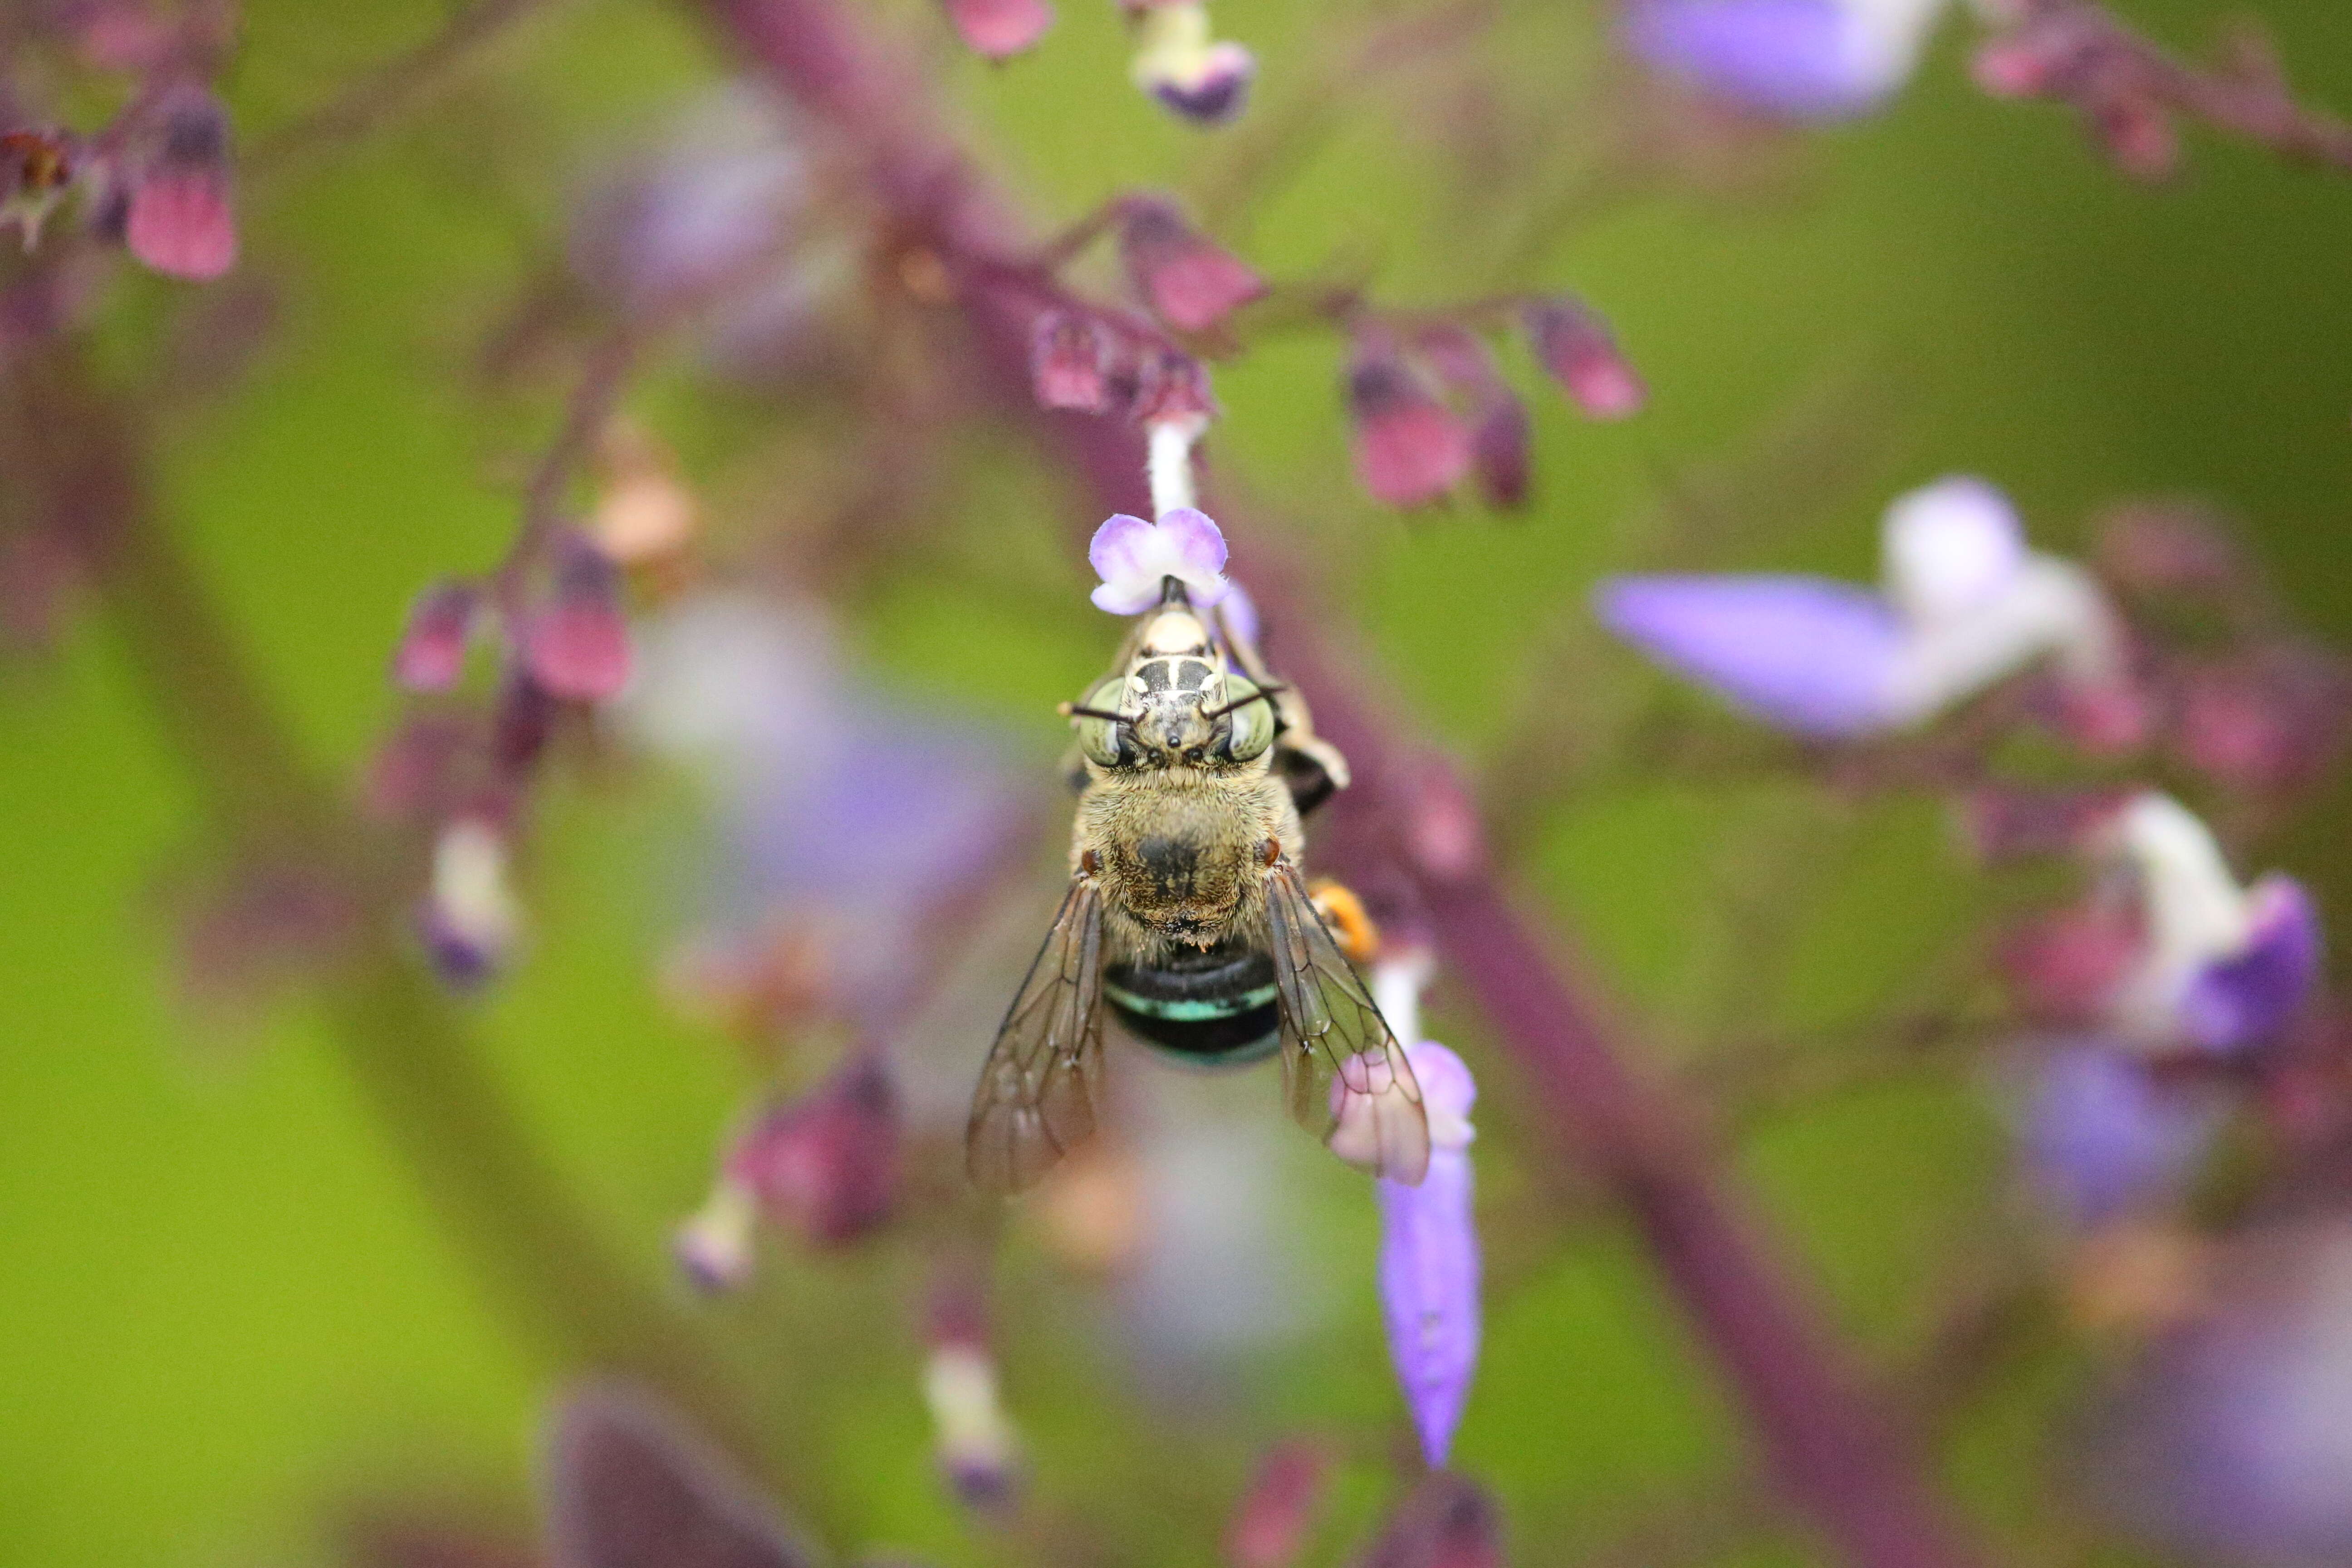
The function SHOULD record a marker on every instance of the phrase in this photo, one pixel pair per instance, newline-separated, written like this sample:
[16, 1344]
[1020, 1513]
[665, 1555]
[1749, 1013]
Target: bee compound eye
[1100, 739]
[1251, 716]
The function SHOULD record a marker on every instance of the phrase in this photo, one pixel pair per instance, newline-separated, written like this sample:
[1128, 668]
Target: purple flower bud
[1070, 360]
[577, 643]
[2103, 1138]
[1577, 350]
[1804, 653]
[1445, 1522]
[1277, 1514]
[1000, 28]
[1410, 449]
[1429, 1258]
[179, 221]
[2249, 999]
[432, 651]
[1171, 386]
[522, 723]
[626, 1484]
[977, 1449]
[1498, 451]
[827, 1165]
[1190, 283]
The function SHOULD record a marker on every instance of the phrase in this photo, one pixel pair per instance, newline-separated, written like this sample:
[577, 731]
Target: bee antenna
[1072, 710]
[1266, 693]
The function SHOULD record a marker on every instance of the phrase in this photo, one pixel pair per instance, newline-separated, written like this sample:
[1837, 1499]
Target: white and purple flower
[1964, 604]
[1806, 60]
[2221, 968]
[1135, 558]
[2104, 1139]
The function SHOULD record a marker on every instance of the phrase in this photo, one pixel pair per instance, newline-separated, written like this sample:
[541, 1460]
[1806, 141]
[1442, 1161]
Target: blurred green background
[227, 1310]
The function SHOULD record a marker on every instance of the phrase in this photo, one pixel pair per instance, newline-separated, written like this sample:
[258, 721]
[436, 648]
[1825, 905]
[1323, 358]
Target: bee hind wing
[1035, 1097]
[1344, 1073]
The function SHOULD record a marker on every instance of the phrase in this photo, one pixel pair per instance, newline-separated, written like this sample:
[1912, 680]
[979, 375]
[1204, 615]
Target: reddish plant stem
[1825, 1440]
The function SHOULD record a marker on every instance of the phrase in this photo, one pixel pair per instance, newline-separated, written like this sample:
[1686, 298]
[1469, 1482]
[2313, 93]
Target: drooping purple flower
[469, 919]
[1428, 1257]
[1070, 362]
[2101, 1137]
[179, 220]
[1132, 557]
[1793, 59]
[577, 641]
[431, 653]
[1577, 350]
[627, 1484]
[1410, 447]
[1805, 654]
[2248, 999]
[1178, 62]
[1191, 282]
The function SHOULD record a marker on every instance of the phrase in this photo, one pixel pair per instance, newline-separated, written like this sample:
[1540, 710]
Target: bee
[1188, 914]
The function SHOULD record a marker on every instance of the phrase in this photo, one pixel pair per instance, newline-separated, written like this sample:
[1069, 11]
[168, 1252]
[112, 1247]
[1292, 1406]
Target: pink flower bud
[1498, 451]
[1000, 28]
[1278, 1511]
[577, 643]
[1190, 283]
[1410, 449]
[1578, 350]
[1171, 386]
[522, 723]
[179, 220]
[1446, 1522]
[432, 651]
[2138, 137]
[827, 1165]
[1070, 359]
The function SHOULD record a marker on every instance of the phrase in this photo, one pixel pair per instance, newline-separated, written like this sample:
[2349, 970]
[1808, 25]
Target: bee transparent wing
[1343, 1072]
[1035, 1099]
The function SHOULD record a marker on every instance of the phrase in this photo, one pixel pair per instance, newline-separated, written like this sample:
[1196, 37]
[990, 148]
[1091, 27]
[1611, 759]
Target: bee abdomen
[1216, 1006]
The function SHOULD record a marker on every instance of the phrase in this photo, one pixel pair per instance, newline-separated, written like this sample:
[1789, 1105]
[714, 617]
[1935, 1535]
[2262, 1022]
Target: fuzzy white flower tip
[1132, 557]
[1950, 547]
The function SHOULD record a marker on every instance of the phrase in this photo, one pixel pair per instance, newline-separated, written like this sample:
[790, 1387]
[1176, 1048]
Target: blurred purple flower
[1577, 350]
[1070, 360]
[999, 30]
[1132, 557]
[2232, 1440]
[2221, 968]
[1964, 606]
[469, 919]
[627, 1485]
[2101, 1137]
[1801, 653]
[576, 640]
[1191, 282]
[2242, 1001]
[1410, 447]
[178, 219]
[1274, 1515]
[431, 654]
[1805, 60]
[1428, 1257]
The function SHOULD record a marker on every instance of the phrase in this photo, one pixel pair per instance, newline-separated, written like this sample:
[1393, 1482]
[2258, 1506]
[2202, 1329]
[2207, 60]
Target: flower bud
[825, 1166]
[179, 221]
[1000, 28]
[1191, 284]
[1446, 1522]
[976, 1447]
[432, 650]
[1275, 1514]
[1410, 449]
[576, 644]
[1191, 75]
[469, 921]
[1070, 359]
[1578, 350]
[1498, 453]
[1171, 386]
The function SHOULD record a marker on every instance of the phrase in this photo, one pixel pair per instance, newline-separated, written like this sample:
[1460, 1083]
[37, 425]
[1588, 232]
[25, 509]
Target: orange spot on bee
[1358, 937]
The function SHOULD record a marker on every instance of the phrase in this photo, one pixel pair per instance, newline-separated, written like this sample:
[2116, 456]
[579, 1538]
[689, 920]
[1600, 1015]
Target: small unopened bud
[1275, 1514]
[470, 919]
[827, 1165]
[1070, 359]
[1191, 74]
[179, 220]
[1000, 28]
[1578, 350]
[577, 642]
[1191, 283]
[522, 723]
[1499, 452]
[1410, 449]
[432, 650]
[978, 1451]
[1446, 1522]
[1171, 387]
[714, 1248]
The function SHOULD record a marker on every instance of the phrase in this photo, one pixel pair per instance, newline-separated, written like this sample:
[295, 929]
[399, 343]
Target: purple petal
[1132, 597]
[1197, 542]
[1120, 549]
[1804, 654]
[1429, 1292]
[2101, 1137]
[1794, 59]
[2246, 1000]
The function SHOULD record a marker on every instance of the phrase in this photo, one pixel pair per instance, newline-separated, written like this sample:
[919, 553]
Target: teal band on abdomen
[1206, 1010]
